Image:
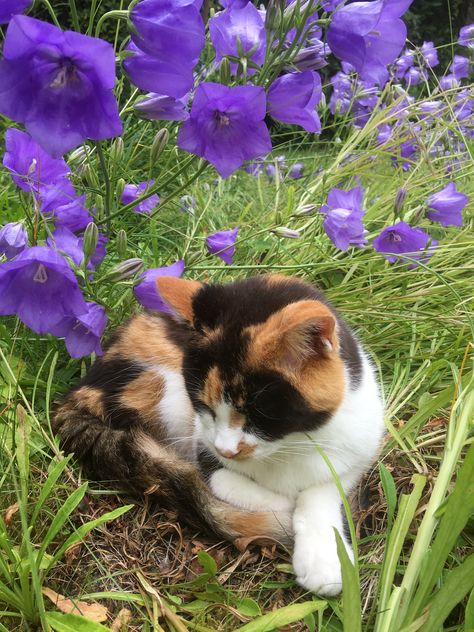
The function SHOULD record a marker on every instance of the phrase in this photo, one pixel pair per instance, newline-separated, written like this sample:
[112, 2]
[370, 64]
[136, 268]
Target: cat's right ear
[179, 294]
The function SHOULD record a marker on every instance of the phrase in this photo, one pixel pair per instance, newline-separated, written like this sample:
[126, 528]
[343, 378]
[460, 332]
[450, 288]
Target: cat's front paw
[316, 564]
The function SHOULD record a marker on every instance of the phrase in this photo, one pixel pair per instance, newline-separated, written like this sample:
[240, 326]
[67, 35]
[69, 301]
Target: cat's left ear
[179, 295]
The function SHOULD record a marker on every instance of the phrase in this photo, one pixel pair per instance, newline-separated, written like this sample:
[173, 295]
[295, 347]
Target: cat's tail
[133, 460]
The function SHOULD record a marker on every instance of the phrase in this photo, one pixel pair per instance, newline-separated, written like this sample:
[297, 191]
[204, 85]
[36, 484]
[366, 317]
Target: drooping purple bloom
[67, 243]
[82, 333]
[343, 223]
[40, 288]
[460, 67]
[146, 291]
[429, 54]
[414, 76]
[162, 107]
[296, 171]
[59, 84]
[31, 168]
[270, 171]
[369, 35]
[132, 191]
[66, 210]
[447, 206]
[466, 36]
[292, 98]
[464, 105]
[448, 82]
[428, 109]
[384, 133]
[222, 244]
[13, 239]
[100, 251]
[403, 63]
[254, 168]
[401, 238]
[226, 126]
[9, 8]
[342, 94]
[239, 28]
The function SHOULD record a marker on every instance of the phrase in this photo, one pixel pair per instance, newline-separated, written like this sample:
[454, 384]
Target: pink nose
[228, 454]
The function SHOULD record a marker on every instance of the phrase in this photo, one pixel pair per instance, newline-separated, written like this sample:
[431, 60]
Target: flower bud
[122, 243]
[116, 150]
[159, 143]
[306, 209]
[89, 243]
[400, 200]
[225, 71]
[287, 233]
[120, 186]
[90, 177]
[124, 270]
[273, 16]
[79, 155]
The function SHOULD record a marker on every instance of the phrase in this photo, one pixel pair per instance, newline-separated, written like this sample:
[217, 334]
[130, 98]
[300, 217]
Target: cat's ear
[296, 334]
[179, 294]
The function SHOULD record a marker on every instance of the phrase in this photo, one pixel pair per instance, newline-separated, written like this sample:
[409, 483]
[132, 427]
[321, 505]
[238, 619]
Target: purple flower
[312, 57]
[464, 105]
[270, 171]
[330, 5]
[466, 36]
[239, 31]
[292, 98]
[222, 244]
[296, 171]
[343, 223]
[100, 251]
[132, 191]
[384, 133]
[369, 35]
[9, 8]
[460, 67]
[40, 288]
[447, 206]
[415, 76]
[67, 243]
[226, 126]
[403, 239]
[66, 210]
[13, 239]
[163, 108]
[448, 82]
[59, 84]
[146, 292]
[31, 168]
[429, 54]
[403, 63]
[82, 333]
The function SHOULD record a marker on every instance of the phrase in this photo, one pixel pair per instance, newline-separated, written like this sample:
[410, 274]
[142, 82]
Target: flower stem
[74, 16]
[108, 187]
[118, 15]
[51, 12]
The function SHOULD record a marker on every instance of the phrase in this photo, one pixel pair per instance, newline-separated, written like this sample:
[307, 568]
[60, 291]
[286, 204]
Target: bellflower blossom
[401, 238]
[9, 8]
[466, 36]
[369, 35]
[146, 291]
[162, 107]
[59, 84]
[296, 171]
[429, 54]
[311, 57]
[447, 206]
[403, 63]
[40, 288]
[460, 67]
[237, 28]
[13, 239]
[132, 191]
[67, 243]
[222, 244]
[226, 126]
[82, 333]
[31, 168]
[68, 212]
[292, 98]
[343, 223]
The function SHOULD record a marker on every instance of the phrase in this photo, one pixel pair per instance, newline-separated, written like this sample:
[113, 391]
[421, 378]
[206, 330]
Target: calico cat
[216, 410]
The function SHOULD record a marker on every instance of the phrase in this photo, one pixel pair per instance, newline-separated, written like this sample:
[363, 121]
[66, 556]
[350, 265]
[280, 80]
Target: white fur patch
[246, 494]
[176, 412]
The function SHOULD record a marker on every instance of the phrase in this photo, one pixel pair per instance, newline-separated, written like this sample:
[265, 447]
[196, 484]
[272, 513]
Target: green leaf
[73, 623]
[351, 604]
[56, 469]
[207, 562]
[81, 532]
[457, 585]
[469, 614]
[390, 492]
[283, 616]
[248, 607]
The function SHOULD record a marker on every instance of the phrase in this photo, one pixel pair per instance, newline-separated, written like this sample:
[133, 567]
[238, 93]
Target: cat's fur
[237, 388]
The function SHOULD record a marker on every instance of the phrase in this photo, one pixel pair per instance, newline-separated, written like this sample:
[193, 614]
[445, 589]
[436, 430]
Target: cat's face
[263, 363]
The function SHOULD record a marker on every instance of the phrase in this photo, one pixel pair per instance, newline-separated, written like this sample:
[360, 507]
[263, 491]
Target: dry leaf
[10, 512]
[121, 621]
[92, 611]
[72, 552]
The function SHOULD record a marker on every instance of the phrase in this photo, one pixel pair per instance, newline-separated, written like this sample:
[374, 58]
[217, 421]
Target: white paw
[316, 563]
[246, 494]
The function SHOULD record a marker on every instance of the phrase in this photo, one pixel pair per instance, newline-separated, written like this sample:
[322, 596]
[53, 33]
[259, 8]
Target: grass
[412, 513]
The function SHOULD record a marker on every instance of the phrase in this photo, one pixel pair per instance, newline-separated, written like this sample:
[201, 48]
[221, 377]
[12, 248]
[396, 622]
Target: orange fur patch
[212, 390]
[179, 293]
[90, 398]
[146, 340]
[143, 394]
[236, 419]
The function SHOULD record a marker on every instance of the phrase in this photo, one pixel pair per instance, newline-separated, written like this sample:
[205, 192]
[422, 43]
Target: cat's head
[263, 361]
